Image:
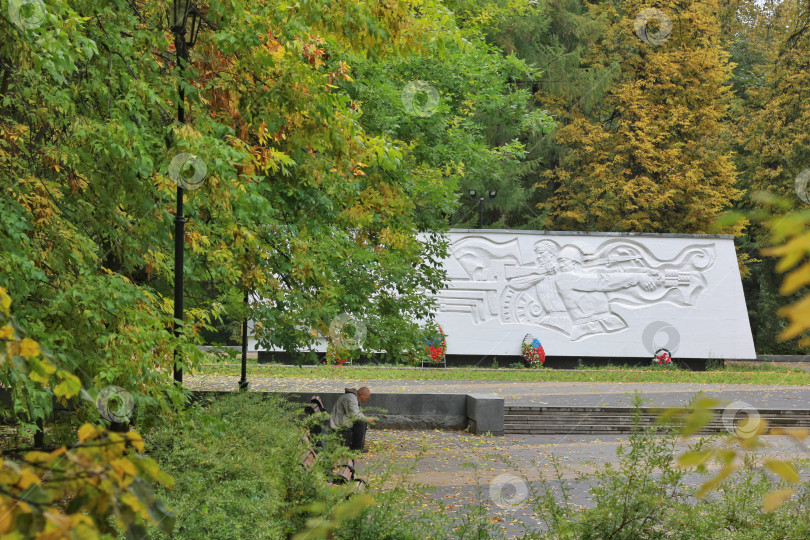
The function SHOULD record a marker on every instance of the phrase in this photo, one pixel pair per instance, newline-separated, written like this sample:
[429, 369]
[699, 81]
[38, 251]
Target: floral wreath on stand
[336, 355]
[437, 348]
[533, 353]
[662, 357]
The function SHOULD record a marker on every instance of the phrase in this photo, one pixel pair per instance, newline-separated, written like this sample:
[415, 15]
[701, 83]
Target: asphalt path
[504, 474]
[459, 470]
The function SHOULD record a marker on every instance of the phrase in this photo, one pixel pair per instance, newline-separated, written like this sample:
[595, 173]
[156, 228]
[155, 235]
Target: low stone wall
[481, 413]
[405, 411]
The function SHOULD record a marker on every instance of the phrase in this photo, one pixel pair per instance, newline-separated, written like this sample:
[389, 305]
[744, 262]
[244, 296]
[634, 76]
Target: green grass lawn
[765, 374]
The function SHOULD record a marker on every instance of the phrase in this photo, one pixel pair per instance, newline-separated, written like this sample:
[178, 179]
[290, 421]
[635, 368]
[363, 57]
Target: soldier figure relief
[567, 290]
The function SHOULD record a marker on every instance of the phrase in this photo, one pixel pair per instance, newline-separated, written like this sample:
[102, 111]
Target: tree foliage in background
[552, 37]
[471, 136]
[320, 177]
[766, 44]
[652, 155]
[302, 205]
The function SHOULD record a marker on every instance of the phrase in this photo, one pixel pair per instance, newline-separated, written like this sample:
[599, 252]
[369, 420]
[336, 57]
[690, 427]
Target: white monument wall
[594, 295]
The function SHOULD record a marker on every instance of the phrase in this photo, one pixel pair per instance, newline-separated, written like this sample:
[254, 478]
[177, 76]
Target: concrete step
[619, 420]
[512, 409]
[630, 419]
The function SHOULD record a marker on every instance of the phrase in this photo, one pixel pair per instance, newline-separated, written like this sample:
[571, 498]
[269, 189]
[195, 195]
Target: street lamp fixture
[474, 196]
[185, 18]
[184, 21]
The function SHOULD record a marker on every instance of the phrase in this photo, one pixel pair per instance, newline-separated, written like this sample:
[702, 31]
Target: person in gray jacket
[348, 420]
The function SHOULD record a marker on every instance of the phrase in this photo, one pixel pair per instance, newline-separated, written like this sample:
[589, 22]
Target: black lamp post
[474, 196]
[184, 20]
[243, 383]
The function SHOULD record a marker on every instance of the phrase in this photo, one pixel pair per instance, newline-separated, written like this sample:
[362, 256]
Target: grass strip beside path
[790, 376]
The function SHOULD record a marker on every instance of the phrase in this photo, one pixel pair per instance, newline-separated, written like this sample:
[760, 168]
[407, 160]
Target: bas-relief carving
[566, 289]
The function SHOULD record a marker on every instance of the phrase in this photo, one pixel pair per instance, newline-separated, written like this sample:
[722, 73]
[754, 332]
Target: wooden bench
[343, 474]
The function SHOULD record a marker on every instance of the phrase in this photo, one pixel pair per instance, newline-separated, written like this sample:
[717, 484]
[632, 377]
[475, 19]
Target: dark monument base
[459, 360]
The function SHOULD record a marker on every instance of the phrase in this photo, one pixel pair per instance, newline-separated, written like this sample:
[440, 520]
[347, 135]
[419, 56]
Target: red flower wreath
[662, 357]
[437, 348]
[336, 355]
[533, 353]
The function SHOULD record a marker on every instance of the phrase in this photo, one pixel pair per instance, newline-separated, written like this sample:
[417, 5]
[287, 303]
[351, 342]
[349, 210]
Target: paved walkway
[510, 466]
[575, 394]
[513, 465]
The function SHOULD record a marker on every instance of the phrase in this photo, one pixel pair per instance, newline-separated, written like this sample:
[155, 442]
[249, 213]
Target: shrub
[645, 496]
[238, 474]
[238, 469]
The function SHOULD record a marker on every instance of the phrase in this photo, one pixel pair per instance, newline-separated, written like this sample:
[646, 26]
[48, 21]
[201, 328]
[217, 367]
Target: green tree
[767, 144]
[652, 155]
[300, 204]
[469, 129]
[554, 37]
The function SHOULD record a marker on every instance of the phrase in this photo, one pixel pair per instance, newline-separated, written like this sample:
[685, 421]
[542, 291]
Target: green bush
[645, 496]
[236, 464]
[238, 474]
[237, 468]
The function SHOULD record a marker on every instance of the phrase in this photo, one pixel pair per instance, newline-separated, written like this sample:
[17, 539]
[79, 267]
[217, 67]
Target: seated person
[348, 420]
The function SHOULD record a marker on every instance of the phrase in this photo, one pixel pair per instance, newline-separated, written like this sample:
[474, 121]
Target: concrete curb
[480, 413]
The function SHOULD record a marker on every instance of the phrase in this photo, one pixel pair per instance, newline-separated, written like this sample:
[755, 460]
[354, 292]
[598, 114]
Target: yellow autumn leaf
[695, 458]
[123, 467]
[791, 252]
[9, 473]
[135, 440]
[5, 301]
[27, 479]
[6, 517]
[29, 348]
[695, 421]
[132, 501]
[81, 519]
[69, 387]
[38, 377]
[773, 500]
[798, 314]
[83, 527]
[749, 430]
[796, 279]
[7, 332]
[38, 458]
[784, 469]
[713, 483]
[60, 520]
[87, 432]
